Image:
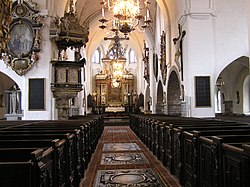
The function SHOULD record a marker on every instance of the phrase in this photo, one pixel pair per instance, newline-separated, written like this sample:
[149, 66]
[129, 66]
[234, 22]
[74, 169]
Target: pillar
[198, 51]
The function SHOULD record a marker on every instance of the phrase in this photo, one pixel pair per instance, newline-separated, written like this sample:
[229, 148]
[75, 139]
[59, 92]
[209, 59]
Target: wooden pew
[68, 156]
[178, 151]
[59, 174]
[90, 128]
[191, 150]
[165, 143]
[29, 167]
[213, 157]
[78, 142]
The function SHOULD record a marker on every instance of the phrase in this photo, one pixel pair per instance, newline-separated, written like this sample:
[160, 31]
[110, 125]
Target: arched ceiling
[89, 11]
[6, 82]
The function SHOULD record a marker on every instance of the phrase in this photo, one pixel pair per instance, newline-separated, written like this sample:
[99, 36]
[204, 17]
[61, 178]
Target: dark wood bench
[228, 165]
[78, 146]
[163, 135]
[59, 169]
[191, 151]
[178, 151]
[29, 167]
[70, 156]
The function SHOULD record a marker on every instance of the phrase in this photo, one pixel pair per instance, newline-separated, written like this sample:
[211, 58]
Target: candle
[147, 13]
[103, 12]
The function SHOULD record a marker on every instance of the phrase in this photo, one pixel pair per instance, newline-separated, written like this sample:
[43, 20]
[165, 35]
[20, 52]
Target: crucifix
[178, 53]
[116, 49]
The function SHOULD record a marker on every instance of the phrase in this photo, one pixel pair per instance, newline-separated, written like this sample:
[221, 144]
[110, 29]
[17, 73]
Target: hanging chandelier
[127, 15]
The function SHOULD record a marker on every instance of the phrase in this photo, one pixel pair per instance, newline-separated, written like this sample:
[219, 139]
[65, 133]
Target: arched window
[97, 56]
[132, 58]
[219, 95]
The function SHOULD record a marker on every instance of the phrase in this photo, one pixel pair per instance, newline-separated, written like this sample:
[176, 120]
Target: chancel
[114, 81]
[124, 93]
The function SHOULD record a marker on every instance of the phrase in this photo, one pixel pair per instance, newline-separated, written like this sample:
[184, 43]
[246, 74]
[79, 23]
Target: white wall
[216, 35]
[230, 32]
[41, 69]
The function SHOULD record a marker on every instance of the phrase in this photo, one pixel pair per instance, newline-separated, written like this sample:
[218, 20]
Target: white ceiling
[89, 11]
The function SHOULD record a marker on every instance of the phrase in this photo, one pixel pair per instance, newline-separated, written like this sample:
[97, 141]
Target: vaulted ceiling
[89, 11]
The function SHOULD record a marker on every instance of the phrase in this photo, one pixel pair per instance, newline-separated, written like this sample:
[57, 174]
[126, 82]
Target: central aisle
[121, 159]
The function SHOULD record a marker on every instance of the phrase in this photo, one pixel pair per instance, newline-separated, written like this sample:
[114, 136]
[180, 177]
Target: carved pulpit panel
[73, 75]
[61, 75]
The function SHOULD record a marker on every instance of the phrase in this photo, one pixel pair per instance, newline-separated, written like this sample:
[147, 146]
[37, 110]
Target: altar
[115, 109]
[112, 92]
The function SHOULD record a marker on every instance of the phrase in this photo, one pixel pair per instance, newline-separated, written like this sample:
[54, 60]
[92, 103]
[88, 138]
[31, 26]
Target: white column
[198, 51]
[248, 16]
[152, 81]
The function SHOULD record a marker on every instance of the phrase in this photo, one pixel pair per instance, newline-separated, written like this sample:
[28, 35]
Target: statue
[134, 96]
[125, 97]
[14, 100]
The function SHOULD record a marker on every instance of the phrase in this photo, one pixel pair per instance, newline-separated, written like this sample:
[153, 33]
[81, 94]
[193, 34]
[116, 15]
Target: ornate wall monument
[24, 44]
[5, 20]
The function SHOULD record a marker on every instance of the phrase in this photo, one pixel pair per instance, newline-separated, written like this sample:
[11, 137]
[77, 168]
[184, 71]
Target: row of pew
[47, 153]
[199, 152]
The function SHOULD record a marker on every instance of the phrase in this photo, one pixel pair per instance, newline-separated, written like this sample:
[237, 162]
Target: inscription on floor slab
[131, 177]
[120, 147]
[123, 158]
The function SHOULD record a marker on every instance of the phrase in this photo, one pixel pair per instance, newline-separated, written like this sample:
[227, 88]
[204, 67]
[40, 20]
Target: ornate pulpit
[67, 33]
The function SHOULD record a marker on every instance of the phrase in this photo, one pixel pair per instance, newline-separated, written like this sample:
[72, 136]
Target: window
[132, 58]
[219, 101]
[97, 56]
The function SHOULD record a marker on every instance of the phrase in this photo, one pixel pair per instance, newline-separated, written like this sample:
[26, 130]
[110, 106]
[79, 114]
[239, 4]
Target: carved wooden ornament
[25, 39]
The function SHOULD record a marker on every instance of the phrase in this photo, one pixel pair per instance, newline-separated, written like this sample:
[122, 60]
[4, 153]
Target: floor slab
[120, 147]
[122, 140]
[131, 177]
[123, 158]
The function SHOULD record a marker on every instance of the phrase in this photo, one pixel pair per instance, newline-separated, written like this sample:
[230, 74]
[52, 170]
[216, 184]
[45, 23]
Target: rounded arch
[7, 85]
[246, 95]
[173, 95]
[232, 83]
[160, 99]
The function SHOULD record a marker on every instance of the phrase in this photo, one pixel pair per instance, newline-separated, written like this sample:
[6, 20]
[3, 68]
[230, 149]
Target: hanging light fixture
[127, 15]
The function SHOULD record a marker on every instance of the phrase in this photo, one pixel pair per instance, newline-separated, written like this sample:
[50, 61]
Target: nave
[121, 159]
[151, 150]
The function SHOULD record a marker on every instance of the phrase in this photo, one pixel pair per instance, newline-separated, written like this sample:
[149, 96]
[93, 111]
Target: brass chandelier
[127, 15]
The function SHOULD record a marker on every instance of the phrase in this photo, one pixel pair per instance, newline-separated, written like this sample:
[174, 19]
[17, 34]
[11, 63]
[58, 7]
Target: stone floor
[121, 160]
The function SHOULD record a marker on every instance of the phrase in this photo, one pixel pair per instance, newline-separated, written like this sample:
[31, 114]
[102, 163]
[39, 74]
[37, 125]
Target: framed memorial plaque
[37, 94]
[202, 91]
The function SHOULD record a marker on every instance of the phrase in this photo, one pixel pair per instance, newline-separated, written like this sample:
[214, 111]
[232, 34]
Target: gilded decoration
[5, 20]
[24, 44]
[146, 63]
[155, 65]
[163, 65]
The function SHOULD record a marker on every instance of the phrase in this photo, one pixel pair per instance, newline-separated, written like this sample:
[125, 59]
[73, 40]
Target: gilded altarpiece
[110, 92]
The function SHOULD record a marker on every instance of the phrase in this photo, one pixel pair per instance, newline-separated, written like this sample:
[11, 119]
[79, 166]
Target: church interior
[108, 93]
